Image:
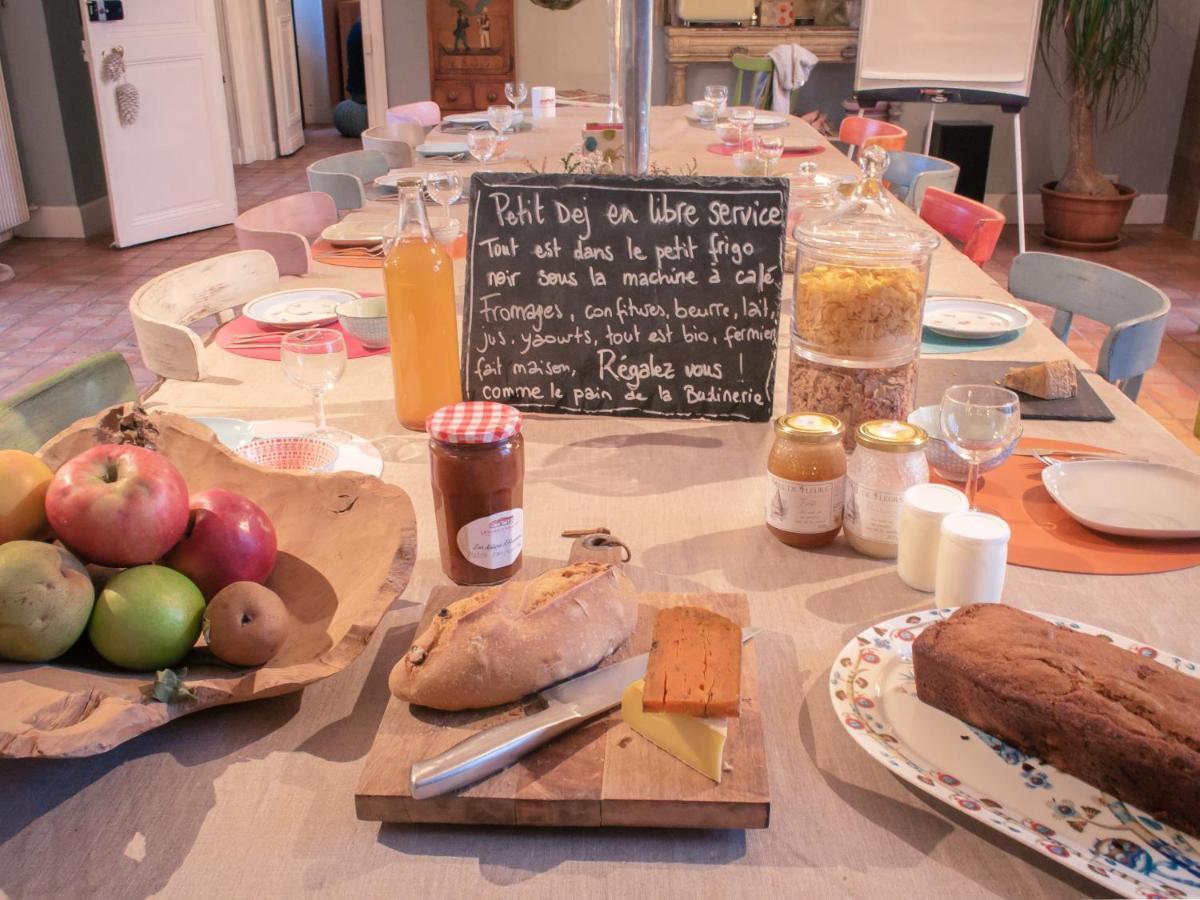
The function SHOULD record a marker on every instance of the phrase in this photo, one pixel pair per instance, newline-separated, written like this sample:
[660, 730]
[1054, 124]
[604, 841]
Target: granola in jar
[859, 311]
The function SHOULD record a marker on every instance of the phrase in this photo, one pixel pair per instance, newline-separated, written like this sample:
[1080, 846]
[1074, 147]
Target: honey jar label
[805, 507]
[873, 513]
[495, 541]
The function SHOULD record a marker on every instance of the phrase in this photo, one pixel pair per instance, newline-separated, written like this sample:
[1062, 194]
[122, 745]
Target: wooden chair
[37, 413]
[164, 307]
[423, 112]
[344, 176]
[863, 131]
[396, 141]
[762, 79]
[909, 174]
[966, 221]
[286, 227]
[1135, 310]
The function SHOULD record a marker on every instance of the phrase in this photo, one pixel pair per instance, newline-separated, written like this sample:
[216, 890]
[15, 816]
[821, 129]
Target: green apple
[146, 618]
[46, 597]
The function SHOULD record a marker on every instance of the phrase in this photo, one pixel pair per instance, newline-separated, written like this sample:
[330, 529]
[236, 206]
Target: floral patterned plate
[1095, 834]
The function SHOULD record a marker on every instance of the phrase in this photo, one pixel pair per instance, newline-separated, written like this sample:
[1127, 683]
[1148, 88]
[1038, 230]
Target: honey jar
[806, 472]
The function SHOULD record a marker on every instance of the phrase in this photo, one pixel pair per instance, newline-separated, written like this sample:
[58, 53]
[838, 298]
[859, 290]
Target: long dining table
[257, 799]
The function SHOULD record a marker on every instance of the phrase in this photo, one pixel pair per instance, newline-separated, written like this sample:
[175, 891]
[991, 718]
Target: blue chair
[344, 177]
[1135, 310]
[909, 174]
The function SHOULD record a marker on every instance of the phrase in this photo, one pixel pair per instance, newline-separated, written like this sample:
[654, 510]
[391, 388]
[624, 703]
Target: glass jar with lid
[806, 474]
[888, 460]
[861, 276]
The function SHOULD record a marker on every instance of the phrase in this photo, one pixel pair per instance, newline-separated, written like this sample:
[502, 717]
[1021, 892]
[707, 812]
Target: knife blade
[1075, 454]
[568, 705]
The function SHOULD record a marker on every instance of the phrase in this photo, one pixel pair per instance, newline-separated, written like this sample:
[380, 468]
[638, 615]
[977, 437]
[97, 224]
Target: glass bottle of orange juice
[419, 281]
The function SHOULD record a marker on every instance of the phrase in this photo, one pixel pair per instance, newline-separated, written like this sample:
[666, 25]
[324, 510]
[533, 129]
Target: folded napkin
[793, 65]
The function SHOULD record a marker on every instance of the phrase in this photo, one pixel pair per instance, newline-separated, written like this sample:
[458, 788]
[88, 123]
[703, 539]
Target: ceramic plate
[301, 308]
[442, 148]
[769, 120]
[1125, 497]
[477, 118]
[1115, 845]
[973, 319]
[357, 455]
[356, 232]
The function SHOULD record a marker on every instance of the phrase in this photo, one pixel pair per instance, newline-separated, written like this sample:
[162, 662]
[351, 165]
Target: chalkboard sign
[624, 295]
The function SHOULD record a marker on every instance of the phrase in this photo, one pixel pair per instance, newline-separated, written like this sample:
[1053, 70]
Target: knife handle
[489, 751]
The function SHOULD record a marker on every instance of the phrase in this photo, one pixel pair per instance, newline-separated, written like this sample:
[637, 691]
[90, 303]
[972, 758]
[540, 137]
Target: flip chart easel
[977, 52]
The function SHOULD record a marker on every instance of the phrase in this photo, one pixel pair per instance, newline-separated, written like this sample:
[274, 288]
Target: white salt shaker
[921, 513]
[972, 553]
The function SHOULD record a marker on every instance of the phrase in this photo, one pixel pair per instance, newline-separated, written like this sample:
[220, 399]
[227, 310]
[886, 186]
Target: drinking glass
[706, 112]
[979, 422]
[718, 95]
[743, 117]
[516, 92]
[482, 143]
[769, 149]
[500, 117]
[314, 359]
[444, 188]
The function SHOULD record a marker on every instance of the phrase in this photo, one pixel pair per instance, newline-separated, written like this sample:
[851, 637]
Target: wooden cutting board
[603, 773]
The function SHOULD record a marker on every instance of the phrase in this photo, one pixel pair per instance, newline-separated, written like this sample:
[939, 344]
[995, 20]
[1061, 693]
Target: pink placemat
[241, 325]
[729, 150]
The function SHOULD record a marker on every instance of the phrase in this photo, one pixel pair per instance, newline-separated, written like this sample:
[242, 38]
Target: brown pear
[247, 624]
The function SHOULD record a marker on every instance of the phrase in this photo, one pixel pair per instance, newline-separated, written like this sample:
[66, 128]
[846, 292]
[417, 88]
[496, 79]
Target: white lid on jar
[975, 529]
[935, 500]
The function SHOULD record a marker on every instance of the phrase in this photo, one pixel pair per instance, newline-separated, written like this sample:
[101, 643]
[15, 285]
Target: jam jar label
[805, 507]
[872, 513]
[494, 541]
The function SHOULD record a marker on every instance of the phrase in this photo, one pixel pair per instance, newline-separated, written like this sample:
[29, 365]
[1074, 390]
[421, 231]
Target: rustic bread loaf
[1054, 380]
[1117, 720]
[504, 642]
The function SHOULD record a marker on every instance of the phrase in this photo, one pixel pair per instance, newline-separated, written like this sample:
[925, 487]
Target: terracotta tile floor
[69, 298]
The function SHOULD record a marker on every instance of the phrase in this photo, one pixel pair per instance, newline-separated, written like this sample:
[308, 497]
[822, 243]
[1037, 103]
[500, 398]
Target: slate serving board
[935, 375]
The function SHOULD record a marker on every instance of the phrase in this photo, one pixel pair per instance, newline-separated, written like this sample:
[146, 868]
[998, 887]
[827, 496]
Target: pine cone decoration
[128, 104]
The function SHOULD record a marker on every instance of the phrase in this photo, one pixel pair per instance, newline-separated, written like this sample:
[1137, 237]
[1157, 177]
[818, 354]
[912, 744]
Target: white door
[171, 170]
[285, 75]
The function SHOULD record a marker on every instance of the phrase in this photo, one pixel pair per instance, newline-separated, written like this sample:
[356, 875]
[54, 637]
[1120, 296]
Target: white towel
[793, 65]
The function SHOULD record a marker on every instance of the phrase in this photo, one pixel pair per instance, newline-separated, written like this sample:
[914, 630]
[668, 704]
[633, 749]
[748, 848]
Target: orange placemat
[1045, 537]
[320, 252]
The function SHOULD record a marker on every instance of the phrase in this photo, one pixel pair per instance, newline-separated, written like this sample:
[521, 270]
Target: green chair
[760, 81]
[35, 414]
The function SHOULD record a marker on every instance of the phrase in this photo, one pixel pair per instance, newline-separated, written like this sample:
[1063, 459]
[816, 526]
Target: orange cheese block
[695, 666]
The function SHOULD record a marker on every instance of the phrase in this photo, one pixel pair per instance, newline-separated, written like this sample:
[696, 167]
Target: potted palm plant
[1098, 52]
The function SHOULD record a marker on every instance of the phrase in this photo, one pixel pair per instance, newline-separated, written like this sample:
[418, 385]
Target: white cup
[972, 554]
[542, 101]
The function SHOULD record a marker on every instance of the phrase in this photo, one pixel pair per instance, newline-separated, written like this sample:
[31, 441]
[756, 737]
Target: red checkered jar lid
[474, 422]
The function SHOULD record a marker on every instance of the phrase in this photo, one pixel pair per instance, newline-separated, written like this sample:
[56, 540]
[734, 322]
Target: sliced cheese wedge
[698, 743]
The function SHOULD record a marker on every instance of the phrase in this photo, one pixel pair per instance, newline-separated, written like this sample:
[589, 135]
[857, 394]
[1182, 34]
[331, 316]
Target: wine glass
[769, 149]
[718, 96]
[516, 92]
[743, 117]
[444, 188]
[482, 143]
[979, 422]
[314, 359]
[500, 117]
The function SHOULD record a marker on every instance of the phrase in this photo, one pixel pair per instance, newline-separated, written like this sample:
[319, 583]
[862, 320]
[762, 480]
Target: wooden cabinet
[471, 52]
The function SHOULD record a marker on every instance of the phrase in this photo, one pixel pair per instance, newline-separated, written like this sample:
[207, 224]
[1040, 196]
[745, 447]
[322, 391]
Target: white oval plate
[230, 432]
[973, 319]
[1117, 846]
[299, 308]
[1127, 497]
[769, 120]
[442, 148]
[478, 118]
[356, 232]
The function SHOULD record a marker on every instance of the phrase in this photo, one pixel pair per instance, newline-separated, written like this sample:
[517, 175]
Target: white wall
[407, 43]
[314, 69]
[565, 48]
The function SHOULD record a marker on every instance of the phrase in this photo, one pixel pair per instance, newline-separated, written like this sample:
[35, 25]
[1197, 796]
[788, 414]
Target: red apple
[118, 505]
[228, 538]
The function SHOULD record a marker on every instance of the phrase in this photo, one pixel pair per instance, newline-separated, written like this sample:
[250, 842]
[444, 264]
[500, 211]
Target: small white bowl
[365, 319]
[297, 453]
[747, 162]
[729, 132]
[444, 230]
[944, 461]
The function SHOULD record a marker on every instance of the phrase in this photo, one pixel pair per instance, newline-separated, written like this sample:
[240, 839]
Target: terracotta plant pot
[1082, 222]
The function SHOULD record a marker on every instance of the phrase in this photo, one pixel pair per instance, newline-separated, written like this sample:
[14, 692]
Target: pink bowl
[298, 453]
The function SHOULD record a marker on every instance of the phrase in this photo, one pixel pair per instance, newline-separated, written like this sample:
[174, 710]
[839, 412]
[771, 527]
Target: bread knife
[568, 705]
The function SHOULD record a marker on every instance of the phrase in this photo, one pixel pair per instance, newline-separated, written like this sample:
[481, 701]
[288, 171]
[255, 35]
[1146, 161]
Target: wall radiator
[14, 209]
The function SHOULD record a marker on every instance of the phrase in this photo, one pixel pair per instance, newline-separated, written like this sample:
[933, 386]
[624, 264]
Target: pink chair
[423, 112]
[969, 222]
[285, 228]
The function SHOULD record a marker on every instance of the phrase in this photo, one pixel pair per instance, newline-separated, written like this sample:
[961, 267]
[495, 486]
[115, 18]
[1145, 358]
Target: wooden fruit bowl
[347, 545]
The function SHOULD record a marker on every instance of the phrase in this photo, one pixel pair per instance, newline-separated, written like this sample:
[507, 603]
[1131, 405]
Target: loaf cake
[1122, 722]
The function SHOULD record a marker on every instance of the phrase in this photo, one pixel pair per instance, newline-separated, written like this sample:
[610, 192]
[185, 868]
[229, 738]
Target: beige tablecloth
[257, 800]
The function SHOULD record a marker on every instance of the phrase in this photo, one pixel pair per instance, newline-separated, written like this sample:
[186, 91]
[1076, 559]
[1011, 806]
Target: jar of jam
[477, 458]
[888, 460]
[806, 472]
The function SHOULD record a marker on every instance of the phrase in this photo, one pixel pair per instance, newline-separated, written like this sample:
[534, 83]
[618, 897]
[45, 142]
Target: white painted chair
[1135, 310]
[286, 228]
[344, 177]
[164, 307]
[423, 112]
[396, 141]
